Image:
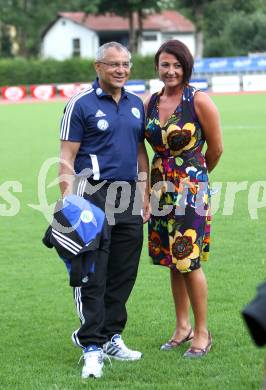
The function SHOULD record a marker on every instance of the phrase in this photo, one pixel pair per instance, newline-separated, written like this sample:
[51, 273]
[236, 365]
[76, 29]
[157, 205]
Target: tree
[234, 28]
[213, 17]
[5, 41]
[195, 9]
[30, 17]
[132, 9]
[246, 33]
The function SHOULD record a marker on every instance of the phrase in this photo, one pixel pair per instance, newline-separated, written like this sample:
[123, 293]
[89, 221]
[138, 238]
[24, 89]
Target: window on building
[151, 37]
[76, 47]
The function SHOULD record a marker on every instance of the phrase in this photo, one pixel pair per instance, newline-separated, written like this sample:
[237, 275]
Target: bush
[143, 68]
[217, 47]
[242, 34]
[20, 71]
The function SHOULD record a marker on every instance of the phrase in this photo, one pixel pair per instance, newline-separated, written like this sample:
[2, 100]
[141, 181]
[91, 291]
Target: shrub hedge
[20, 71]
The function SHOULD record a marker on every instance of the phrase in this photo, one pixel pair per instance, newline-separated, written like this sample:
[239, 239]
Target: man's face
[114, 69]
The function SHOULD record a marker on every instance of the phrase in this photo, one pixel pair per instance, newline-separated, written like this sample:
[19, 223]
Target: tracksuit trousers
[101, 304]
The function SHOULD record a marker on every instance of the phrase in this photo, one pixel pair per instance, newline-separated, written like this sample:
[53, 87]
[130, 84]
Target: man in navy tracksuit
[102, 145]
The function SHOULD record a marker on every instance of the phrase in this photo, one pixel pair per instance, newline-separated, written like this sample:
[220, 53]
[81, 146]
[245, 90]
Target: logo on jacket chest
[99, 114]
[136, 112]
[102, 124]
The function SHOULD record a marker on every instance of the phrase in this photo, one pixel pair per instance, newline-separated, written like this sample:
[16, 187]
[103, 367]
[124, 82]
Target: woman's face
[170, 70]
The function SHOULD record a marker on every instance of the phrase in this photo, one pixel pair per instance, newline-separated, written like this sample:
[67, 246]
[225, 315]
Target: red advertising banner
[68, 90]
[14, 94]
[42, 92]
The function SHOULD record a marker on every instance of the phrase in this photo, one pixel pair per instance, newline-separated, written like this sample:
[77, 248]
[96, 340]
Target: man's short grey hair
[102, 49]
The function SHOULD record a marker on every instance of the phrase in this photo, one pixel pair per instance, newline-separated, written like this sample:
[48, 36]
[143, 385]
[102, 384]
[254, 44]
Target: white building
[78, 34]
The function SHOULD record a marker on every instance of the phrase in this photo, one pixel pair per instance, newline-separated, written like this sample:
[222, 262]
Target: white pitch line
[243, 127]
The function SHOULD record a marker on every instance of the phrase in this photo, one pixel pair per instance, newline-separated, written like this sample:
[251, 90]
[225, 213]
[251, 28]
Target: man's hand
[146, 209]
[143, 166]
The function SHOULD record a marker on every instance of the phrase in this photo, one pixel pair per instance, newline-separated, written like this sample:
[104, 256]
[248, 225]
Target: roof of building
[166, 21]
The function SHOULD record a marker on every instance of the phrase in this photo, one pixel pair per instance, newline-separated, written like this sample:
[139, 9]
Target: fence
[232, 74]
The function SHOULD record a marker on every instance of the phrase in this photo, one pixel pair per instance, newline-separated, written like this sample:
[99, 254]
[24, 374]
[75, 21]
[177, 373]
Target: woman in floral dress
[180, 120]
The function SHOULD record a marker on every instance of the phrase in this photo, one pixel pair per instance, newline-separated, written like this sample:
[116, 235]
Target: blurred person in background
[254, 314]
[179, 121]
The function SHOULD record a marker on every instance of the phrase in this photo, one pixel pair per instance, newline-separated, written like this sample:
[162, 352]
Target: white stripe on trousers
[76, 340]
[77, 298]
[77, 290]
[77, 294]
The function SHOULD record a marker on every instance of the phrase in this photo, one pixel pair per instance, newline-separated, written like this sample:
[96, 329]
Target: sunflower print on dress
[179, 180]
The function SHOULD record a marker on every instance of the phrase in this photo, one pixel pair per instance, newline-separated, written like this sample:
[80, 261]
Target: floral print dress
[179, 228]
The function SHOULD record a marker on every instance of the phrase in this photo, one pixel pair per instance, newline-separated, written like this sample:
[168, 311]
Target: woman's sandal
[195, 352]
[171, 344]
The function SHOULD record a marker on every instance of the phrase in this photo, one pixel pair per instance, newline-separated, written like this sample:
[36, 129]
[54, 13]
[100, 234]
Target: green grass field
[37, 311]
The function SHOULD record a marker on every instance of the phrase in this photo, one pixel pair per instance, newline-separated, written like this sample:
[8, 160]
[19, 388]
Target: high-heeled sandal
[171, 344]
[195, 352]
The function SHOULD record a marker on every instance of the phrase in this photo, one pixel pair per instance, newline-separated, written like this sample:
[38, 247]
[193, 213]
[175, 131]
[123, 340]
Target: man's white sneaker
[116, 348]
[93, 362]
